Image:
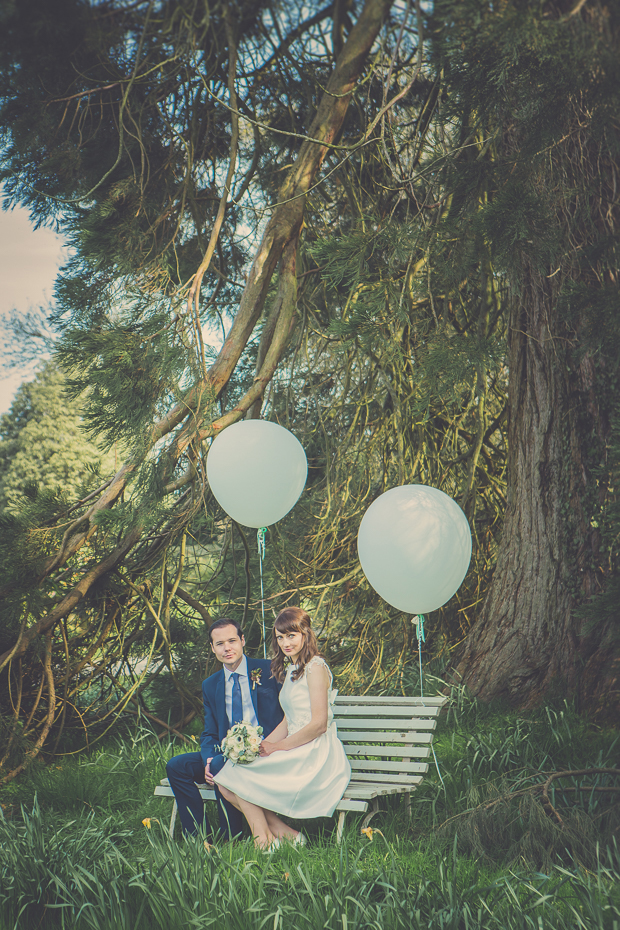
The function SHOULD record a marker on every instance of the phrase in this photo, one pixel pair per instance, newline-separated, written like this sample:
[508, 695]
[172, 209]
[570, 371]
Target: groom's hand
[208, 775]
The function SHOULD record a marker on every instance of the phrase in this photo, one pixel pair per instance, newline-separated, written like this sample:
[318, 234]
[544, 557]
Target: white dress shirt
[249, 714]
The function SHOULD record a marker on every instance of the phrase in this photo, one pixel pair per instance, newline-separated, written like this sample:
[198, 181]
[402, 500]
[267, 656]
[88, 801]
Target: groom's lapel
[253, 688]
[220, 703]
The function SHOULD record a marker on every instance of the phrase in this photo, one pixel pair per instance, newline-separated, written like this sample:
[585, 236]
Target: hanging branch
[278, 243]
[51, 710]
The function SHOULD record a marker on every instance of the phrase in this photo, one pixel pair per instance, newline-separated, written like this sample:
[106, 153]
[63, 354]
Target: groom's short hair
[224, 621]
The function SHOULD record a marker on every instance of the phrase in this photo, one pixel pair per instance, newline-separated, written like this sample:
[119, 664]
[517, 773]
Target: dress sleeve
[319, 660]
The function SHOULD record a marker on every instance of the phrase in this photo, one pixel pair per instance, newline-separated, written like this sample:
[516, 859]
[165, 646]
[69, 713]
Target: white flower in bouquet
[242, 742]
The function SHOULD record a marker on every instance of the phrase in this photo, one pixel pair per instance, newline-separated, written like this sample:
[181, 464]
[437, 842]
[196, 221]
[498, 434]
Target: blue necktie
[237, 702]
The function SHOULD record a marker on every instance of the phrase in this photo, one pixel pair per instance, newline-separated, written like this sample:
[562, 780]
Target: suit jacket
[266, 704]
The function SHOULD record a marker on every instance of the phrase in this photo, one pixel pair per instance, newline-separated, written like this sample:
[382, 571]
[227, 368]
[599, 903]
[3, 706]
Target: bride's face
[290, 643]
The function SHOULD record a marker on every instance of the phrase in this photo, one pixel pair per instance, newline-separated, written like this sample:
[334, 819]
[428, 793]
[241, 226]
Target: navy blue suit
[186, 769]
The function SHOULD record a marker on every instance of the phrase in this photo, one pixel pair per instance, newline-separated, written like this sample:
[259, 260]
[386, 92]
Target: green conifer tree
[152, 135]
[535, 88]
[44, 449]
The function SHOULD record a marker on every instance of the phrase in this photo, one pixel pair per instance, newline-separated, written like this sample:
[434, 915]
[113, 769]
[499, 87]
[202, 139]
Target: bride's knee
[229, 795]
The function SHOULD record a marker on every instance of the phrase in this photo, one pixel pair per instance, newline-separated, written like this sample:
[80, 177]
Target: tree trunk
[525, 637]
[530, 641]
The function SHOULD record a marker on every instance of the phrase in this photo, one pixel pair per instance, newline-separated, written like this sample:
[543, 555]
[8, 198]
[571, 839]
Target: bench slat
[207, 794]
[369, 791]
[385, 725]
[405, 726]
[381, 765]
[353, 804]
[377, 710]
[411, 736]
[394, 752]
[357, 787]
[396, 747]
[369, 699]
[402, 779]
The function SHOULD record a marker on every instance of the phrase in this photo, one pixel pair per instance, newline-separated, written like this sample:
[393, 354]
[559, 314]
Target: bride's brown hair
[296, 620]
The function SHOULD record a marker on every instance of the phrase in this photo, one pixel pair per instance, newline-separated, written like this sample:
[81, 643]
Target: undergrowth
[482, 850]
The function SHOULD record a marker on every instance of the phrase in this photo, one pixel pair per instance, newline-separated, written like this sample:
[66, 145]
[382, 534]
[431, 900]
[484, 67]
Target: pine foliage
[498, 153]
[45, 456]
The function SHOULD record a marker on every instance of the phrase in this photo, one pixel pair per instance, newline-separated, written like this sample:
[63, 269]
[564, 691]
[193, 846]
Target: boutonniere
[255, 677]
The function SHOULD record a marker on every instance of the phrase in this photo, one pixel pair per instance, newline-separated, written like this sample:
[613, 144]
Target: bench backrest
[387, 739]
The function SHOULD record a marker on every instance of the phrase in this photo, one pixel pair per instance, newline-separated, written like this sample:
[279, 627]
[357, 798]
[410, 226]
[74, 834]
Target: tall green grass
[74, 853]
[76, 875]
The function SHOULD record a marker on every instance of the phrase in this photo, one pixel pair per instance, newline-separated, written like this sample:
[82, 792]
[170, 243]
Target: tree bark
[525, 637]
[531, 639]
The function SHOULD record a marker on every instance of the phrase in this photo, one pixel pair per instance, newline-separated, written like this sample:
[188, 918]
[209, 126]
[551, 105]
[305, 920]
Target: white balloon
[414, 544]
[257, 470]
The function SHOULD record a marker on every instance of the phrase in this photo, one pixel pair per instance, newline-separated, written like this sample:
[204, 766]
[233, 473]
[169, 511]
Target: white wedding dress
[305, 782]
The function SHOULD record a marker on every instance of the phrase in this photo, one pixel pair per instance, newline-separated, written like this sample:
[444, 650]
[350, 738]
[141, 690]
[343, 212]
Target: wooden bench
[387, 741]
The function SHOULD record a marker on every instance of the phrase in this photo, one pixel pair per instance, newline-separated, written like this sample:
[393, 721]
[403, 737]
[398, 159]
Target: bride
[302, 771]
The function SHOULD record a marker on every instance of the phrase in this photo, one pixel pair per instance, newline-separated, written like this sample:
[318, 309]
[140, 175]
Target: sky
[29, 261]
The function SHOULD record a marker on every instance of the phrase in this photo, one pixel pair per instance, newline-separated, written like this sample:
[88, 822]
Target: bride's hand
[266, 748]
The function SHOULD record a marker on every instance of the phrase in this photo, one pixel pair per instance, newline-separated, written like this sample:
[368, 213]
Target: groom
[242, 690]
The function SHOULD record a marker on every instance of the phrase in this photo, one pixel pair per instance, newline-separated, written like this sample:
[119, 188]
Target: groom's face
[228, 646]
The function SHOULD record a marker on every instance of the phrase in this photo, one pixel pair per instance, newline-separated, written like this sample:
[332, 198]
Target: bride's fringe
[293, 619]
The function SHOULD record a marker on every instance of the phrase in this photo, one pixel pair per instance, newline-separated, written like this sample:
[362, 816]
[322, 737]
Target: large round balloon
[414, 545]
[257, 470]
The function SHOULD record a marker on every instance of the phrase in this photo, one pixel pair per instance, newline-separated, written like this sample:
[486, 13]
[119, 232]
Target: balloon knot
[419, 628]
[260, 538]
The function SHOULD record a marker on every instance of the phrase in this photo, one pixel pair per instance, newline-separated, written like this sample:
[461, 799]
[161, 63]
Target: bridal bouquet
[241, 743]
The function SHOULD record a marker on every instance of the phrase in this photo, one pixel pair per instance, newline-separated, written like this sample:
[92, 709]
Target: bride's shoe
[299, 840]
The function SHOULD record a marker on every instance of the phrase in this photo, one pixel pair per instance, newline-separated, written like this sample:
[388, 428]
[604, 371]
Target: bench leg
[408, 804]
[371, 813]
[340, 829]
[173, 819]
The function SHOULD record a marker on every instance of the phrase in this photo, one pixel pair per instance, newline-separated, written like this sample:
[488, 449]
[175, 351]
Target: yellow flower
[207, 846]
[147, 823]
[192, 737]
[368, 831]
[286, 876]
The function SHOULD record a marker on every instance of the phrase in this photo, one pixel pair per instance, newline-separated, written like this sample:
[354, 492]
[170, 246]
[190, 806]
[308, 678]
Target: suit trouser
[183, 771]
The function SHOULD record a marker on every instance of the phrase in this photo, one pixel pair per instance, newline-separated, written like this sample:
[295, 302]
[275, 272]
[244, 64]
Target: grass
[476, 853]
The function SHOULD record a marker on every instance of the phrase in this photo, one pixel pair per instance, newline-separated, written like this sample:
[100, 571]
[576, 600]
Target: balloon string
[419, 632]
[260, 538]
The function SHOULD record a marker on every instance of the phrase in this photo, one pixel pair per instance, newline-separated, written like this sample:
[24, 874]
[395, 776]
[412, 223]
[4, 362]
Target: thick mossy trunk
[534, 639]
[531, 640]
